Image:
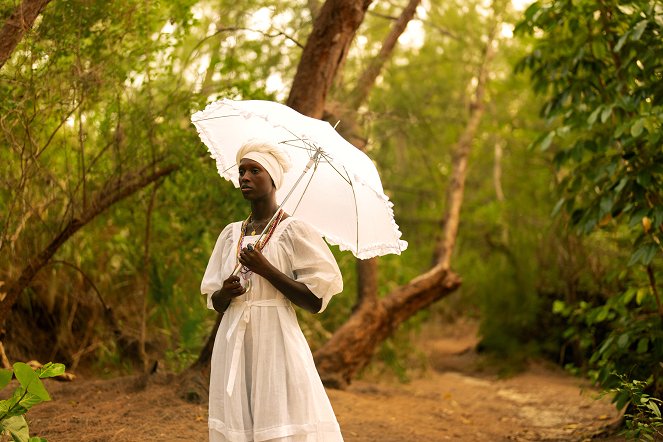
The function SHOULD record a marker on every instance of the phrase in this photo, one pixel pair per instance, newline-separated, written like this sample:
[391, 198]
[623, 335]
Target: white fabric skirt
[264, 385]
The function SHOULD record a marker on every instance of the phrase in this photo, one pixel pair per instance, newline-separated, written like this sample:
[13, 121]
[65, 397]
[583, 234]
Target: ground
[451, 401]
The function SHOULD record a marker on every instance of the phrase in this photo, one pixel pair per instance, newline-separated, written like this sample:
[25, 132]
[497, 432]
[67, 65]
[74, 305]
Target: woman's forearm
[220, 302]
[298, 293]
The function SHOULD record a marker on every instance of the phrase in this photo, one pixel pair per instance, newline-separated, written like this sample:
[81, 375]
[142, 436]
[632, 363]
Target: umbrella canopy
[341, 195]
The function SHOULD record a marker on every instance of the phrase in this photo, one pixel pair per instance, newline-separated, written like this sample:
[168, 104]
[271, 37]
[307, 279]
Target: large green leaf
[30, 400]
[30, 380]
[17, 428]
[50, 370]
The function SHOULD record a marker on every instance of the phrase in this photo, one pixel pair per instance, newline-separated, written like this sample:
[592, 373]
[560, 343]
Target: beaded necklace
[262, 241]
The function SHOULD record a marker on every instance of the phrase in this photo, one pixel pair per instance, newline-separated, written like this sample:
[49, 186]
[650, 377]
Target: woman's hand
[295, 291]
[255, 261]
[230, 289]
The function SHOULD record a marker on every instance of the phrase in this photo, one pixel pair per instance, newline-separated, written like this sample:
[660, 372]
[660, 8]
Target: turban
[273, 159]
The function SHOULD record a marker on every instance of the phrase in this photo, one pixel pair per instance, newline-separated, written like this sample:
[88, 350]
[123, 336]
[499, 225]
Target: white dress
[264, 385]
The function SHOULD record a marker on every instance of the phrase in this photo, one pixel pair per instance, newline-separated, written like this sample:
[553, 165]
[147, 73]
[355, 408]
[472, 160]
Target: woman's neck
[263, 210]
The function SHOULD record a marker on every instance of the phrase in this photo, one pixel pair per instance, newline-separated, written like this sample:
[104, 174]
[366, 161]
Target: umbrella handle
[249, 284]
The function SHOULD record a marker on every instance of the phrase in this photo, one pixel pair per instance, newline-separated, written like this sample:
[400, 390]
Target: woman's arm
[231, 288]
[298, 293]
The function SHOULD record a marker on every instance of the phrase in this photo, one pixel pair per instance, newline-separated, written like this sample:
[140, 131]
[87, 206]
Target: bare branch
[455, 190]
[85, 277]
[368, 77]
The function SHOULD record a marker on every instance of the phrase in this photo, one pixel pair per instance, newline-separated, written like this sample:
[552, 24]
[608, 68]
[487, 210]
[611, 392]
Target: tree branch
[368, 77]
[113, 191]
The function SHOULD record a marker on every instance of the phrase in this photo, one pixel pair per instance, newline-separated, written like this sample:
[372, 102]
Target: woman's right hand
[231, 289]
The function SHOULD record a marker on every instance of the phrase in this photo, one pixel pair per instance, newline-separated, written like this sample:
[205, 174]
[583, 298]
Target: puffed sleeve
[312, 262]
[213, 278]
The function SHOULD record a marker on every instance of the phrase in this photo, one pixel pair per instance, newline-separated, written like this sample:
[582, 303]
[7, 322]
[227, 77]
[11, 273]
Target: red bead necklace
[262, 241]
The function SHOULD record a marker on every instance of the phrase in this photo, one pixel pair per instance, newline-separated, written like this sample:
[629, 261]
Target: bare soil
[454, 400]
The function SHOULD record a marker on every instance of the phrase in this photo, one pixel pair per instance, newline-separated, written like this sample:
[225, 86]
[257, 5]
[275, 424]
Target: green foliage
[598, 66]
[506, 248]
[77, 119]
[618, 336]
[29, 393]
[644, 421]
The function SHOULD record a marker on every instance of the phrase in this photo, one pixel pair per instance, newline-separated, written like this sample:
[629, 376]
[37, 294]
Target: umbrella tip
[337, 124]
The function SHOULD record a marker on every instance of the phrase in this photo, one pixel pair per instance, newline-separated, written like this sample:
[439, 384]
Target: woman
[264, 385]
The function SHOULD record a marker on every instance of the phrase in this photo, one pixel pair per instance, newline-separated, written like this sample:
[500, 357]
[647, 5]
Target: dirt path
[450, 402]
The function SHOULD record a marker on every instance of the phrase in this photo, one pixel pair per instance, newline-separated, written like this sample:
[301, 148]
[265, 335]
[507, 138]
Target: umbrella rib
[322, 153]
[304, 192]
[356, 209]
[215, 118]
[293, 134]
[287, 143]
[226, 170]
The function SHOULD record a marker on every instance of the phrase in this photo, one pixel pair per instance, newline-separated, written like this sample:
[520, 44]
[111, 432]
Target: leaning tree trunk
[353, 344]
[17, 25]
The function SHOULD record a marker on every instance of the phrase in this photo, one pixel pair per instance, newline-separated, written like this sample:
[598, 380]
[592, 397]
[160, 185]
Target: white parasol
[331, 184]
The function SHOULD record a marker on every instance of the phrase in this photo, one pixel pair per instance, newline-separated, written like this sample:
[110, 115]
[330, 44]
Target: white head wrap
[273, 159]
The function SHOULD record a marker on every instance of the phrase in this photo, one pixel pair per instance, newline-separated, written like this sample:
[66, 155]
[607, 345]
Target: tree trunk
[456, 188]
[17, 25]
[367, 282]
[114, 191]
[145, 292]
[499, 192]
[326, 48]
[352, 346]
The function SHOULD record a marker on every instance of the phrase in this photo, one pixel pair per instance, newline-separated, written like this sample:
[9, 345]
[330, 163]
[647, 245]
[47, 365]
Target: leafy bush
[29, 393]
[644, 421]
[597, 64]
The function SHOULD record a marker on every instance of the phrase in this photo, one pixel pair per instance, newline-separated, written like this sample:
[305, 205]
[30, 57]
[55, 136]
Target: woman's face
[254, 181]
